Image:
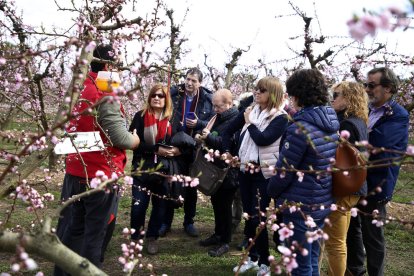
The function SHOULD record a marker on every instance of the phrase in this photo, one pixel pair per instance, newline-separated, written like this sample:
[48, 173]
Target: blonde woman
[262, 126]
[350, 102]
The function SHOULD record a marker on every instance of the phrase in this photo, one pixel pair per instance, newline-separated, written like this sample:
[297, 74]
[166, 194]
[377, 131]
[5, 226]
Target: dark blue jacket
[204, 110]
[308, 143]
[390, 132]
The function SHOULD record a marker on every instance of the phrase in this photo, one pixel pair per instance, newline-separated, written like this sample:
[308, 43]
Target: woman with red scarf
[154, 129]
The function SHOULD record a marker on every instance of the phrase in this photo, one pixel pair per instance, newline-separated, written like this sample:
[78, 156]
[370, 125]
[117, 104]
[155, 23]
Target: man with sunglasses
[387, 128]
[193, 109]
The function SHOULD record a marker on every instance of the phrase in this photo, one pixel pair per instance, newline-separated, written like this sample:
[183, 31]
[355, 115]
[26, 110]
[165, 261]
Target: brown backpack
[348, 159]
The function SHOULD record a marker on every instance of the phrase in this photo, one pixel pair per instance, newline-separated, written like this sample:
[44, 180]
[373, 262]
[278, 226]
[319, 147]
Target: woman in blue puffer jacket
[306, 150]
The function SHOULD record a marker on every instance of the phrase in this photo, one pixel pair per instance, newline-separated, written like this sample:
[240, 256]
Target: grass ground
[181, 255]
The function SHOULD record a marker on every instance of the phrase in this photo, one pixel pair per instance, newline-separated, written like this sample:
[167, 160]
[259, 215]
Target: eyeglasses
[370, 85]
[261, 90]
[160, 96]
[335, 95]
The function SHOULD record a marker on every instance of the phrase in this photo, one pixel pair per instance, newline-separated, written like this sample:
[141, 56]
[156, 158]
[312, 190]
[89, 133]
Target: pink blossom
[370, 23]
[90, 47]
[300, 176]
[2, 61]
[334, 207]
[410, 150]
[99, 173]
[95, 183]
[128, 180]
[275, 227]
[357, 31]
[284, 250]
[354, 212]
[345, 134]
[114, 176]
[285, 233]
[384, 20]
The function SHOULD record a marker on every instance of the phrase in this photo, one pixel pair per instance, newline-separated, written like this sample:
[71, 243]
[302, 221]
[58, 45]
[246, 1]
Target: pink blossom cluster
[98, 179]
[186, 180]
[288, 258]
[286, 231]
[21, 260]
[28, 194]
[359, 27]
[132, 252]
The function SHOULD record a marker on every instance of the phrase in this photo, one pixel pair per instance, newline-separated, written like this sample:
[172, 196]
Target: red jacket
[111, 159]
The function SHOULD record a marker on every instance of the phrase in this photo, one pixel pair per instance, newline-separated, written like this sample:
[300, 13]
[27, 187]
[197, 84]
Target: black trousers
[362, 233]
[251, 186]
[190, 202]
[222, 207]
[83, 226]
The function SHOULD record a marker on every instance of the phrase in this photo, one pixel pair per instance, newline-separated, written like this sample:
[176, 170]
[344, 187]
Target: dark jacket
[389, 132]
[145, 152]
[358, 132]
[214, 141]
[304, 147]
[204, 110]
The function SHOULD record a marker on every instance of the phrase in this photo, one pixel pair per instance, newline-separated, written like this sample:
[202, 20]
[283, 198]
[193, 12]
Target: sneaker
[244, 244]
[264, 270]
[164, 229]
[217, 252]
[191, 230]
[212, 240]
[152, 246]
[249, 264]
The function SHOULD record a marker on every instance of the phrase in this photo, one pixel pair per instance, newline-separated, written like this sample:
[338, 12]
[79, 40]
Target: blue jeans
[250, 185]
[307, 265]
[139, 206]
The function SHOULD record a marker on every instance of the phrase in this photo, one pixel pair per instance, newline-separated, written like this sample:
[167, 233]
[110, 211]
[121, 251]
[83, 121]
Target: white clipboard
[84, 142]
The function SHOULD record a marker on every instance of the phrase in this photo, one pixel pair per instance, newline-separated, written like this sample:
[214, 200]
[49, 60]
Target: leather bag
[348, 160]
[209, 175]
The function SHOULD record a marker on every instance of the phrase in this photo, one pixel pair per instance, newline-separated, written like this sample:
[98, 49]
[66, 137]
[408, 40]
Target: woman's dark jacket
[145, 151]
[214, 141]
[308, 144]
[358, 132]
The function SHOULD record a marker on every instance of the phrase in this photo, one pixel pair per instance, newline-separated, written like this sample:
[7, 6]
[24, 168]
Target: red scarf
[155, 130]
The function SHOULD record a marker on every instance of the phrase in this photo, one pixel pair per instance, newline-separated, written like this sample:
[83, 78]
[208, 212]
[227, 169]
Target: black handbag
[209, 175]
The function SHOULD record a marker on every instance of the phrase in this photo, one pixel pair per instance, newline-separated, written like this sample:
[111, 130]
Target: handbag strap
[211, 122]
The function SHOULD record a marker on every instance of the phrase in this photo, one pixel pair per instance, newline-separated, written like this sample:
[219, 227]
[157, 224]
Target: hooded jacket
[308, 144]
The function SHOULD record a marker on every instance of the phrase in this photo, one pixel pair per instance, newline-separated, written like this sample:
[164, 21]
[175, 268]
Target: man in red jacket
[83, 229]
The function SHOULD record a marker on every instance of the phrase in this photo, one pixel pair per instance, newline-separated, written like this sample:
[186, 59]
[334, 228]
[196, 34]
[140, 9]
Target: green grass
[181, 255]
[404, 189]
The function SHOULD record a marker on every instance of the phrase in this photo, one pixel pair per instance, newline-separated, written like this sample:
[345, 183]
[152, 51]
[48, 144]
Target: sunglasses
[261, 90]
[160, 96]
[335, 95]
[370, 85]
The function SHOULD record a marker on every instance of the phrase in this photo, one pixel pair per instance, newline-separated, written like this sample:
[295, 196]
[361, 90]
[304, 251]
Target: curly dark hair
[309, 88]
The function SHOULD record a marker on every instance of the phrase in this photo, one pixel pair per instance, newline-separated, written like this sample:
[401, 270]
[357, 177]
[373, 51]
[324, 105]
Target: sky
[218, 27]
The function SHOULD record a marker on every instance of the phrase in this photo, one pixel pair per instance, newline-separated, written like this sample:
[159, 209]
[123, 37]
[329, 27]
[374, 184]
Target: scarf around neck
[156, 130]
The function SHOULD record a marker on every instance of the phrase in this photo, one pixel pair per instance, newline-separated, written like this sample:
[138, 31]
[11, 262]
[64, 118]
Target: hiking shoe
[247, 265]
[212, 240]
[164, 229]
[217, 252]
[244, 244]
[191, 230]
[264, 270]
[152, 246]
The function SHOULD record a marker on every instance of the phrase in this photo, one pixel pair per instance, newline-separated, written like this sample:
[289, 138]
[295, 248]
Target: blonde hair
[275, 89]
[356, 97]
[168, 110]
[225, 95]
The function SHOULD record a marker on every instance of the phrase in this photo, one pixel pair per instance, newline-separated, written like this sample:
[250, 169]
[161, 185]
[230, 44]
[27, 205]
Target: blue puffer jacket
[390, 132]
[304, 146]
